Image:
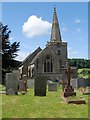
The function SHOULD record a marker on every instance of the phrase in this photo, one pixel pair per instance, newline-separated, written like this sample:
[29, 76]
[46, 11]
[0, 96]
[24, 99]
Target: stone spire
[55, 33]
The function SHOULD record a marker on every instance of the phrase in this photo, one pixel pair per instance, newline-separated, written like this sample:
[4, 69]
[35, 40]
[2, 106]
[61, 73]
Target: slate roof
[32, 56]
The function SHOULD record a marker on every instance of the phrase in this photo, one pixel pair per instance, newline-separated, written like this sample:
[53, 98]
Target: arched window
[48, 65]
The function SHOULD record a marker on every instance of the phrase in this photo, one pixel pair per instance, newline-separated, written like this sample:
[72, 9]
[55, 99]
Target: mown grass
[51, 106]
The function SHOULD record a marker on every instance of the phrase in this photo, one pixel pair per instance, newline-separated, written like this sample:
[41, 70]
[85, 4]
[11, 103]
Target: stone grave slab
[52, 86]
[69, 100]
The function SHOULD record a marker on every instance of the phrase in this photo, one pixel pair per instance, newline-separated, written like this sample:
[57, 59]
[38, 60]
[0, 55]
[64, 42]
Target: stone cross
[68, 71]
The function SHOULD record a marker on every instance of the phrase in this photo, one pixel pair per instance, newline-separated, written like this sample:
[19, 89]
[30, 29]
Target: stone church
[48, 61]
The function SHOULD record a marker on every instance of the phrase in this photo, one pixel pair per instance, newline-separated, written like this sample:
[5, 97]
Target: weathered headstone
[22, 86]
[40, 85]
[74, 82]
[52, 86]
[24, 83]
[80, 82]
[30, 83]
[12, 82]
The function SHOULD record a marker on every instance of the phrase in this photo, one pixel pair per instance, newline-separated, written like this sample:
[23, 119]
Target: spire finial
[54, 8]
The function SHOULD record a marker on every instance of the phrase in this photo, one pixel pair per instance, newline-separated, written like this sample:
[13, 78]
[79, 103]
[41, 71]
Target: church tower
[57, 45]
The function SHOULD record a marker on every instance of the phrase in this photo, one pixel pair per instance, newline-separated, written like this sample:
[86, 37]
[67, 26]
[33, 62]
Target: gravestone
[10, 91]
[12, 82]
[22, 86]
[80, 82]
[40, 85]
[24, 82]
[68, 90]
[30, 83]
[74, 82]
[52, 86]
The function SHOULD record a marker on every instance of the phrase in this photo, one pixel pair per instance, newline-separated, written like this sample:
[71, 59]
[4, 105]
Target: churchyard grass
[51, 106]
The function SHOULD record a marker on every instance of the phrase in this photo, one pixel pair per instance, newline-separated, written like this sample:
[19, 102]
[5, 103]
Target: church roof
[55, 32]
[33, 60]
[30, 57]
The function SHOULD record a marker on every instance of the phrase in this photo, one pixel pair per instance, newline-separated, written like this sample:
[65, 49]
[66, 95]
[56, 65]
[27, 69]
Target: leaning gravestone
[40, 85]
[12, 82]
[52, 86]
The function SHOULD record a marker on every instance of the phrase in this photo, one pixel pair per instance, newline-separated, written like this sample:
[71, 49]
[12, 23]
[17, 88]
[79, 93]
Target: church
[49, 61]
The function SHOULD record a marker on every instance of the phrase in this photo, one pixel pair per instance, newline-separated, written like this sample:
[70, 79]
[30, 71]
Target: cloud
[77, 21]
[36, 26]
[22, 55]
[78, 30]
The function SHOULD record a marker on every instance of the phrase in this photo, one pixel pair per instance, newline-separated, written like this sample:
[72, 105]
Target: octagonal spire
[55, 32]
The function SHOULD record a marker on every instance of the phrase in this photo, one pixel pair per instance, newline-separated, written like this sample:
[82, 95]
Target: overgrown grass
[51, 106]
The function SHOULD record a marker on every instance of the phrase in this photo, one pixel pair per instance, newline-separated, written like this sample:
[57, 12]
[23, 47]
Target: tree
[80, 63]
[9, 51]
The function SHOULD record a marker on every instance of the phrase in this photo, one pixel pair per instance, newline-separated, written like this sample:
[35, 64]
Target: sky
[30, 24]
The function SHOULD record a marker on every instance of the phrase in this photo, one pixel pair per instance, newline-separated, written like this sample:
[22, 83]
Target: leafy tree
[80, 63]
[9, 51]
